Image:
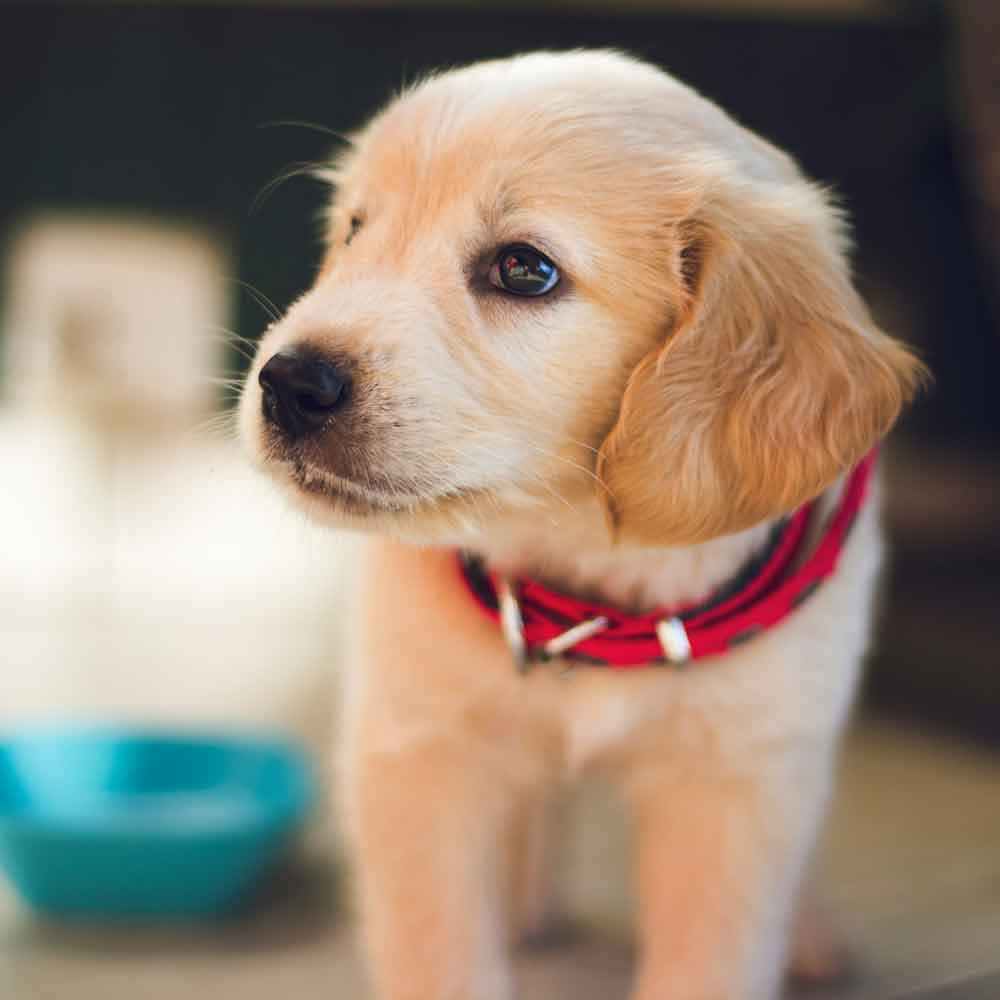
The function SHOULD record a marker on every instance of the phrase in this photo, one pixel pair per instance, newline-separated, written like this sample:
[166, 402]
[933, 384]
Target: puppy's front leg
[426, 826]
[718, 869]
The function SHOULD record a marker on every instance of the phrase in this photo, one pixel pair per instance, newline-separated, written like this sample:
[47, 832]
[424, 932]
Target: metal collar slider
[512, 624]
[674, 640]
[670, 632]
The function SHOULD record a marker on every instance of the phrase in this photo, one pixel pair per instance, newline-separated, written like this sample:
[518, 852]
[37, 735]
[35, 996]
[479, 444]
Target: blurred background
[155, 214]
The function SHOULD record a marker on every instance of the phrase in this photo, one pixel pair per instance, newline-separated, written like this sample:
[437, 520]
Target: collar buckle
[512, 623]
[674, 640]
[565, 641]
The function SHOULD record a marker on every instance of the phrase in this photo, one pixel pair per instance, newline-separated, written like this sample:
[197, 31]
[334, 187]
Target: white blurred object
[147, 573]
[114, 320]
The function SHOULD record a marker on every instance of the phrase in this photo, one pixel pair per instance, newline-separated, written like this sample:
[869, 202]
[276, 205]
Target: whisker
[534, 476]
[219, 426]
[221, 380]
[230, 336]
[575, 465]
[235, 347]
[233, 342]
[259, 297]
[584, 445]
[311, 126]
[559, 458]
[303, 168]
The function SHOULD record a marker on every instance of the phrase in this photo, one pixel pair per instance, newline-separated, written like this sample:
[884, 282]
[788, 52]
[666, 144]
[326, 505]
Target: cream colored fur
[703, 367]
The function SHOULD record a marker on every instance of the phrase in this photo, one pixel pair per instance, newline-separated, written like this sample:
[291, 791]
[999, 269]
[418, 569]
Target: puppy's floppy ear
[773, 381]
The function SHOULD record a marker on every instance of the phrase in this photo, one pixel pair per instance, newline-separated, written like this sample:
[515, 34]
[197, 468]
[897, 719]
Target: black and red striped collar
[541, 624]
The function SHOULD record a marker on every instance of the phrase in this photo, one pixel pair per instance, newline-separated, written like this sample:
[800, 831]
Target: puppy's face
[541, 283]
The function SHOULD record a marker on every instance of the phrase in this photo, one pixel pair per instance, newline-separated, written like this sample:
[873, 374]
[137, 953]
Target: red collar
[541, 624]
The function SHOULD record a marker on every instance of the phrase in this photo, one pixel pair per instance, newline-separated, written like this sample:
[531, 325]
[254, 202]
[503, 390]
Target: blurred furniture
[117, 321]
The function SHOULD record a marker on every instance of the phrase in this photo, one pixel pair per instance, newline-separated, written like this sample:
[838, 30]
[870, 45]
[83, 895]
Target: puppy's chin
[445, 513]
[441, 518]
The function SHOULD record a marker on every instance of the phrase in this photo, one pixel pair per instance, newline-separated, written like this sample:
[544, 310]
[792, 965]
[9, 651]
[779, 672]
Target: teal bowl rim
[287, 812]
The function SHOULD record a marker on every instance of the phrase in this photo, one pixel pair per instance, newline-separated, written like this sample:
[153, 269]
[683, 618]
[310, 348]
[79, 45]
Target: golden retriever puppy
[576, 321]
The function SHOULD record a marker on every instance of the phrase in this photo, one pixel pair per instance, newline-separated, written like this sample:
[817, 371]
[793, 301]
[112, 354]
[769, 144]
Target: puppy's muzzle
[301, 390]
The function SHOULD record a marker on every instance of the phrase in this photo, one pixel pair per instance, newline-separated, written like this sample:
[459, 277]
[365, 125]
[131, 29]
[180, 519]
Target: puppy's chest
[599, 712]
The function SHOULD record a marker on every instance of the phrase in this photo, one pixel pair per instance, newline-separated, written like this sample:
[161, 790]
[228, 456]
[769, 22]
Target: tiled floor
[912, 867]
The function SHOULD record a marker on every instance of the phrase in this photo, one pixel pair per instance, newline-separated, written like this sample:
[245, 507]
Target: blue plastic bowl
[115, 823]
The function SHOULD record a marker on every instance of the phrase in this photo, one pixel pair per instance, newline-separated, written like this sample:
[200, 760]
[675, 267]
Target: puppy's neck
[576, 558]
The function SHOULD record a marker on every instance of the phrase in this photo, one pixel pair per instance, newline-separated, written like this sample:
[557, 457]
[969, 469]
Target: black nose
[300, 391]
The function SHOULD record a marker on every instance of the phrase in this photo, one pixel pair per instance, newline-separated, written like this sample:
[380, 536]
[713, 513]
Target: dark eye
[524, 271]
[356, 223]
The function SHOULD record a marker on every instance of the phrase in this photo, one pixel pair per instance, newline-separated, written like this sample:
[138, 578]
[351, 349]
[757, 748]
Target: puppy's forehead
[511, 125]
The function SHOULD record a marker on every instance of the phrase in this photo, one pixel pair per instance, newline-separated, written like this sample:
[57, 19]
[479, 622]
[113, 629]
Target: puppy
[576, 321]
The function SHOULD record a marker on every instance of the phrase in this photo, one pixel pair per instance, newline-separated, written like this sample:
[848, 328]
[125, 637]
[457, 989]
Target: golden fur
[703, 366]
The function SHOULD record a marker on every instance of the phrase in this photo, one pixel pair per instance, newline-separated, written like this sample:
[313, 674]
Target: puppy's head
[562, 276]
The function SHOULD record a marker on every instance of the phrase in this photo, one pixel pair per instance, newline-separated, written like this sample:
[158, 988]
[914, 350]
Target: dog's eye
[356, 223]
[524, 271]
